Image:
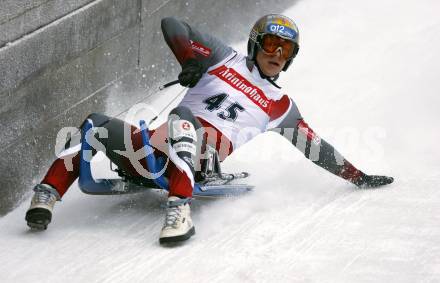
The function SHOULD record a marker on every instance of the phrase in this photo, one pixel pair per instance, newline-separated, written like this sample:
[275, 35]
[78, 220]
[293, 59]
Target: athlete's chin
[272, 71]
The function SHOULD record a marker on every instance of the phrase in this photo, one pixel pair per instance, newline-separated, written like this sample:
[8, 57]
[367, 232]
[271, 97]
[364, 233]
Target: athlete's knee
[97, 119]
[184, 113]
[182, 110]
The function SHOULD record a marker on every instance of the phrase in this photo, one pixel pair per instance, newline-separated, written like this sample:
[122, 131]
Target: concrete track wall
[61, 60]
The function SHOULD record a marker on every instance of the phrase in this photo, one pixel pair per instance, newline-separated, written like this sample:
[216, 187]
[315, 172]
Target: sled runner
[210, 181]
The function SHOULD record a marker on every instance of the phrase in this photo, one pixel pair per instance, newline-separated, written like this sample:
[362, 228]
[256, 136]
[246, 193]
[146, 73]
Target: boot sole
[38, 218]
[180, 238]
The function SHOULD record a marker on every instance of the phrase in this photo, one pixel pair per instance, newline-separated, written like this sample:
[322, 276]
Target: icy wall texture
[61, 60]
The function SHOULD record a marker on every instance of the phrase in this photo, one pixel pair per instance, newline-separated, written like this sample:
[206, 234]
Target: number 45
[215, 102]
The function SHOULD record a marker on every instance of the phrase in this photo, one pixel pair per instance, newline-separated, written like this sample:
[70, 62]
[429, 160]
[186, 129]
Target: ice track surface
[366, 79]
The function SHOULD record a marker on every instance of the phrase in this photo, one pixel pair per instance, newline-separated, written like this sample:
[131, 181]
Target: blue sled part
[85, 181]
[89, 185]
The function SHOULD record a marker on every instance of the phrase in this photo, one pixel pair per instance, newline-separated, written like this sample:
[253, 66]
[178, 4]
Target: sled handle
[168, 84]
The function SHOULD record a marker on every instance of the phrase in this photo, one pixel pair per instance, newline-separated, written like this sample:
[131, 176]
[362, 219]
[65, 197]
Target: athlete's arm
[293, 127]
[188, 43]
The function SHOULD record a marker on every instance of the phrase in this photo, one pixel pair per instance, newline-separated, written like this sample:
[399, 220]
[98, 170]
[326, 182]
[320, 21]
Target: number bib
[238, 102]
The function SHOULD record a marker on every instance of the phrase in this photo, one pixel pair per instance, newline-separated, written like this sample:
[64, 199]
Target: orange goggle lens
[271, 43]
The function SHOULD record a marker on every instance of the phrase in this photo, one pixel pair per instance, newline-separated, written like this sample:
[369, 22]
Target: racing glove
[372, 181]
[192, 71]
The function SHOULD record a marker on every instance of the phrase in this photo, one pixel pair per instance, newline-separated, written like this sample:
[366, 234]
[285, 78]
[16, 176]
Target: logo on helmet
[281, 31]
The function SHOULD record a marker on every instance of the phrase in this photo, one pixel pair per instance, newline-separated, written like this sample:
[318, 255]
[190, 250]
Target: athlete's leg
[58, 179]
[65, 169]
[185, 140]
[186, 137]
[121, 142]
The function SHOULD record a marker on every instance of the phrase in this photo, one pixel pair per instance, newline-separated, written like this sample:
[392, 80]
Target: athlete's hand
[192, 71]
[373, 181]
